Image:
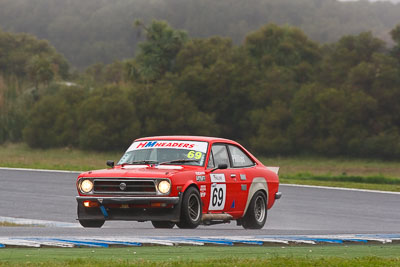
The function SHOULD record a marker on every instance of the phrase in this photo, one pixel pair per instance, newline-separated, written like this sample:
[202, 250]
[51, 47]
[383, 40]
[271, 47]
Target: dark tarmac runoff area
[302, 210]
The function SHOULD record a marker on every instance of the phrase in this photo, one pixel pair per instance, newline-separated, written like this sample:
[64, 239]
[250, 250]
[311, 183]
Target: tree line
[92, 31]
[279, 93]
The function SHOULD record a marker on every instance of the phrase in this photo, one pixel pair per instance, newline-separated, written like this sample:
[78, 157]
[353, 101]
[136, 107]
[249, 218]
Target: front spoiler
[130, 214]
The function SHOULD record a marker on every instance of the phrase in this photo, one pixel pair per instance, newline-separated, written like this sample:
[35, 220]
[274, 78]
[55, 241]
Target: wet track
[50, 196]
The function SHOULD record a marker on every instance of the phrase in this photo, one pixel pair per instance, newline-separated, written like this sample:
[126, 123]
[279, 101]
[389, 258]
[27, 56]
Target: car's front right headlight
[86, 186]
[164, 186]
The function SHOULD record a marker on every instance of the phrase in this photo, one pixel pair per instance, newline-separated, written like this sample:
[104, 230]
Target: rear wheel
[256, 214]
[92, 223]
[163, 224]
[191, 209]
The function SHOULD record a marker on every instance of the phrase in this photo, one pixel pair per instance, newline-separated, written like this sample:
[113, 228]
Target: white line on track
[38, 170]
[342, 188]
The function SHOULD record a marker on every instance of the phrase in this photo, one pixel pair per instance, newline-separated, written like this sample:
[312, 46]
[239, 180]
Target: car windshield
[165, 152]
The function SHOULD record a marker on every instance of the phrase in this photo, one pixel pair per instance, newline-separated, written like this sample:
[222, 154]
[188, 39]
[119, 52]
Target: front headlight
[86, 186]
[164, 186]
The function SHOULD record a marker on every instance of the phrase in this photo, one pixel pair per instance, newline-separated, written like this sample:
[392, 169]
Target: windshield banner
[189, 145]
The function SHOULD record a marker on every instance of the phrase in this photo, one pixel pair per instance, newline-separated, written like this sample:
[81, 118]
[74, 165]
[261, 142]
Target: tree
[164, 110]
[331, 121]
[272, 129]
[40, 70]
[157, 54]
[395, 34]
[53, 120]
[108, 120]
[218, 78]
[347, 53]
[282, 46]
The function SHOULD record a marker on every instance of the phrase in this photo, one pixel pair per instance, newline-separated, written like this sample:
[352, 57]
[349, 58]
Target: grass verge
[375, 182]
[8, 224]
[228, 262]
[21, 156]
[352, 255]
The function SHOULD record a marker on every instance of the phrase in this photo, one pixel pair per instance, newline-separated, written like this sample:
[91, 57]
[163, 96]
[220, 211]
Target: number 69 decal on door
[218, 192]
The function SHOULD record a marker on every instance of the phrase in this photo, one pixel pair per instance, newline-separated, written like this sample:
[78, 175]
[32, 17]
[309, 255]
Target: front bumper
[107, 210]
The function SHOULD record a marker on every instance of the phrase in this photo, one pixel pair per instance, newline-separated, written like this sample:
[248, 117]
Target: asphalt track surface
[47, 195]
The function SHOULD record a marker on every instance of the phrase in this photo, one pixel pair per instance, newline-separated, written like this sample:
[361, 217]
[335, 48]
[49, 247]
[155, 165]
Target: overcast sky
[393, 1]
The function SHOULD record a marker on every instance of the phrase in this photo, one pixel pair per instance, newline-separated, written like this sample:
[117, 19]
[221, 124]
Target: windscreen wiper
[137, 162]
[179, 161]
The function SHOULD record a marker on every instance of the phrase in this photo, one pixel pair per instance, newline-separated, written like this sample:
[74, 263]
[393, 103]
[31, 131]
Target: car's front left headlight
[164, 186]
[86, 186]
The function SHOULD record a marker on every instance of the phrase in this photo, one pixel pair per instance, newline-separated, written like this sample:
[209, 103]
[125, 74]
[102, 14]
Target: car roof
[186, 138]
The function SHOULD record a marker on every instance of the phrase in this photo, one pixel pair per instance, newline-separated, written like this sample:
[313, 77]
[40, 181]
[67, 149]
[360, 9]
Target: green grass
[337, 172]
[8, 224]
[376, 182]
[279, 262]
[334, 166]
[370, 174]
[21, 156]
[353, 255]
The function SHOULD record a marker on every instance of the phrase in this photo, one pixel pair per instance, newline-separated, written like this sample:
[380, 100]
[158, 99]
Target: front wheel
[163, 224]
[91, 223]
[191, 209]
[256, 214]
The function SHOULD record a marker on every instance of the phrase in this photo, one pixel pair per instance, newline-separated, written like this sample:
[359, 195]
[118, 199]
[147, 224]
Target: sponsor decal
[238, 159]
[202, 194]
[163, 144]
[218, 192]
[217, 178]
[200, 178]
[200, 173]
[203, 188]
[243, 177]
[189, 145]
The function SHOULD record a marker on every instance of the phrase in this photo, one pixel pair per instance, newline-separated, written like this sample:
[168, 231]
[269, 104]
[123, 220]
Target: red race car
[182, 180]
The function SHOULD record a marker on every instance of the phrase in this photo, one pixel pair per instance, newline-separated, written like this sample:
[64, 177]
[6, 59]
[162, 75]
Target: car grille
[123, 186]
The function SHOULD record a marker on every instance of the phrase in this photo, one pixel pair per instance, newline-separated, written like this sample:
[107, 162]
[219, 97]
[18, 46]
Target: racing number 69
[217, 198]
[194, 154]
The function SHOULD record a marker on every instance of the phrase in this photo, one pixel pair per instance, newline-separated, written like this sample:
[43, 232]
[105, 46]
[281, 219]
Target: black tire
[191, 209]
[92, 223]
[256, 214]
[163, 224]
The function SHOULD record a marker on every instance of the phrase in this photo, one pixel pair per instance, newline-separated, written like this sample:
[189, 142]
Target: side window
[220, 154]
[211, 161]
[239, 158]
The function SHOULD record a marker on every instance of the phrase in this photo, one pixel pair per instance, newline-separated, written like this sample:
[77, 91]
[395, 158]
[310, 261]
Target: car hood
[140, 171]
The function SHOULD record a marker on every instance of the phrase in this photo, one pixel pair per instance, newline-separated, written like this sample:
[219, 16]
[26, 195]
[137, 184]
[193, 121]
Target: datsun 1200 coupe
[180, 180]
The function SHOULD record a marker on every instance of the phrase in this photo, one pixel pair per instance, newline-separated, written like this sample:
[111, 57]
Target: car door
[244, 168]
[223, 182]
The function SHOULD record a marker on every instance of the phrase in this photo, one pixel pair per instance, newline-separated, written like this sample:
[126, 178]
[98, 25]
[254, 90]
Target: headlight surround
[164, 186]
[86, 186]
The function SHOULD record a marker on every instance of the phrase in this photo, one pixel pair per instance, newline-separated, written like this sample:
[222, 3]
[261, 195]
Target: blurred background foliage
[279, 92]
[92, 31]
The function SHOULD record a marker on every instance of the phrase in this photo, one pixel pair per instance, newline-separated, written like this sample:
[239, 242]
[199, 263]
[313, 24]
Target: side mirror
[221, 166]
[110, 163]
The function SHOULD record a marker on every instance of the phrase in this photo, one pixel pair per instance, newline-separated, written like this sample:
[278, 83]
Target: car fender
[258, 183]
[189, 184]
